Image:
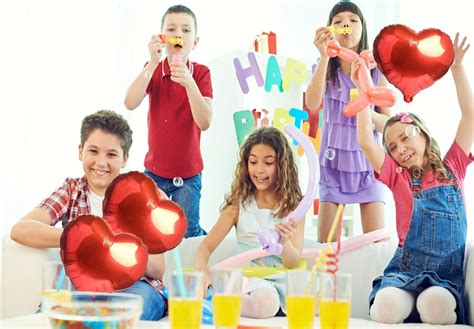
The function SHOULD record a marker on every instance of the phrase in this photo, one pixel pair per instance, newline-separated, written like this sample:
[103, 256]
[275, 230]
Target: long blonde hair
[287, 190]
[432, 152]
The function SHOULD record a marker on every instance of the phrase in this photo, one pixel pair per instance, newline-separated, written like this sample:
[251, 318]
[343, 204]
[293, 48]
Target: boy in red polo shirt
[180, 98]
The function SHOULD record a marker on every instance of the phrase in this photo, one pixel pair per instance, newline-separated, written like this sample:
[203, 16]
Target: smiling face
[183, 26]
[407, 151]
[262, 167]
[344, 20]
[102, 158]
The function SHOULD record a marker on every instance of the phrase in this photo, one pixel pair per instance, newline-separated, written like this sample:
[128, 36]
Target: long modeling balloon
[308, 253]
[269, 239]
[379, 95]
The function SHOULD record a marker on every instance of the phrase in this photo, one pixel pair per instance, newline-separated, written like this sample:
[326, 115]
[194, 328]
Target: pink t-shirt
[399, 183]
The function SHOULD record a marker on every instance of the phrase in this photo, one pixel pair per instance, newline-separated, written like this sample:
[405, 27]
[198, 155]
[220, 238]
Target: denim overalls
[433, 252]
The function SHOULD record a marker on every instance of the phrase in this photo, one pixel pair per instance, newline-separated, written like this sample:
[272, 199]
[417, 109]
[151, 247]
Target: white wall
[61, 60]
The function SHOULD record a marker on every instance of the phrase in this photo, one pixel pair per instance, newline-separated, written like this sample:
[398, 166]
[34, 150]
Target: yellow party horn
[340, 30]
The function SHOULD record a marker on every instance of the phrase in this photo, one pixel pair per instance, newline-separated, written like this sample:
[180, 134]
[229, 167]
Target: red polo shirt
[173, 136]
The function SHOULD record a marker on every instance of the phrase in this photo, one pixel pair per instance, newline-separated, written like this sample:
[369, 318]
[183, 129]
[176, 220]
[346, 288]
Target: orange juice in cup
[335, 305]
[300, 311]
[185, 313]
[335, 314]
[185, 300]
[301, 297]
[226, 310]
[227, 297]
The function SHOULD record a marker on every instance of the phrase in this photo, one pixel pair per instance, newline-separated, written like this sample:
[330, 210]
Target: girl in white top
[265, 190]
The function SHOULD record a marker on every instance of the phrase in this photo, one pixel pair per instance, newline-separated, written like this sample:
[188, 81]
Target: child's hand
[286, 229]
[207, 280]
[180, 73]
[321, 39]
[155, 47]
[355, 67]
[459, 50]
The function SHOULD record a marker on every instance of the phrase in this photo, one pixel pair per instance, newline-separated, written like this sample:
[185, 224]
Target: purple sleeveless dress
[346, 175]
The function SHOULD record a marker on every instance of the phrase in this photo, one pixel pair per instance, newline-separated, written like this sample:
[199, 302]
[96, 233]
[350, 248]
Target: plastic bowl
[77, 309]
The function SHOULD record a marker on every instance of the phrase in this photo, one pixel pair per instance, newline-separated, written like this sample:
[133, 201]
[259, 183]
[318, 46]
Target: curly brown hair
[287, 190]
[432, 152]
[109, 122]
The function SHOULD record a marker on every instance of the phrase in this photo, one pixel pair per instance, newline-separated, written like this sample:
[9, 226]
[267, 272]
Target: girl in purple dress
[346, 175]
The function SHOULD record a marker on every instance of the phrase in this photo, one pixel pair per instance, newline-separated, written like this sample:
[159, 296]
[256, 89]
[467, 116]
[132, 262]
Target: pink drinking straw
[230, 283]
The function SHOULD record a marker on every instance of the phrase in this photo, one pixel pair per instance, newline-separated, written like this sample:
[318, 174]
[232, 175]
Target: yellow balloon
[264, 271]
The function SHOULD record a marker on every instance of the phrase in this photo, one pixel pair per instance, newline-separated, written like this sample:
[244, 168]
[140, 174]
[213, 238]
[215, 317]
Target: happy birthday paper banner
[294, 73]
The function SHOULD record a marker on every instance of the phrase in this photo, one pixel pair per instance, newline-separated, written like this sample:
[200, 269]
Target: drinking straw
[322, 260]
[62, 276]
[179, 272]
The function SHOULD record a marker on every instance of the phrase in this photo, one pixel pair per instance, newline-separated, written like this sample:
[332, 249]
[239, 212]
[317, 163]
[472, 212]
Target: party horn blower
[174, 41]
[340, 30]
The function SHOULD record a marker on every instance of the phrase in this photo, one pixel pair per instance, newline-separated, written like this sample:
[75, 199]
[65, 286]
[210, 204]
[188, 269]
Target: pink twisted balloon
[378, 95]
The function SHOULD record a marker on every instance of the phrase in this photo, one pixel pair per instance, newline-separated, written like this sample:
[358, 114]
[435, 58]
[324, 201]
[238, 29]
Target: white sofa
[22, 273]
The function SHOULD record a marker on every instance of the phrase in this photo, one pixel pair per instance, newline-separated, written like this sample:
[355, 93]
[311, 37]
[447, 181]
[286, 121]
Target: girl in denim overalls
[424, 280]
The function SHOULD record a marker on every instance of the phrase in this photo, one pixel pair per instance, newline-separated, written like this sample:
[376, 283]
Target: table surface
[39, 321]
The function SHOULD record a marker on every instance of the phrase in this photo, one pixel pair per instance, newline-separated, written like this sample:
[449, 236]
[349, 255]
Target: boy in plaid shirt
[106, 139]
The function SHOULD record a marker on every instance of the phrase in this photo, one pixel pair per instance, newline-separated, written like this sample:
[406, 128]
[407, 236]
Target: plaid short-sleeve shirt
[68, 201]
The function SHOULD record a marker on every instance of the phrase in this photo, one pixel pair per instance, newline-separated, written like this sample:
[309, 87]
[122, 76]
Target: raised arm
[372, 150]
[137, 90]
[317, 86]
[201, 107]
[381, 114]
[464, 133]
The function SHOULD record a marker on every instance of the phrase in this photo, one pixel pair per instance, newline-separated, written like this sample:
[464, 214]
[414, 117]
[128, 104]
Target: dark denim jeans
[187, 196]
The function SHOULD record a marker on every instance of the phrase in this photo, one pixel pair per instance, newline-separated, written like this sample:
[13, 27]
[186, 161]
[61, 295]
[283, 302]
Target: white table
[39, 321]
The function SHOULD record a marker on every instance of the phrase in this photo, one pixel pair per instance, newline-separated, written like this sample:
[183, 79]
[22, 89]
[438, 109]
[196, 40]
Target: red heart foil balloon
[96, 259]
[412, 61]
[134, 204]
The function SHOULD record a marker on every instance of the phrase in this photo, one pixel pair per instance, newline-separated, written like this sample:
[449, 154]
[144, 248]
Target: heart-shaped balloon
[134, 204]
[96, 259]
[412, 61]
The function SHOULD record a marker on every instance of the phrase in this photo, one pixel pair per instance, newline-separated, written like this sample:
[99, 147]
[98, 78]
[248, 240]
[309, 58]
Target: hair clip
[405, 117]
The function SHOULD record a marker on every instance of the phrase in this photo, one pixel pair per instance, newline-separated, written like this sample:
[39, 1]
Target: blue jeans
[187, 196]
[154, 304]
